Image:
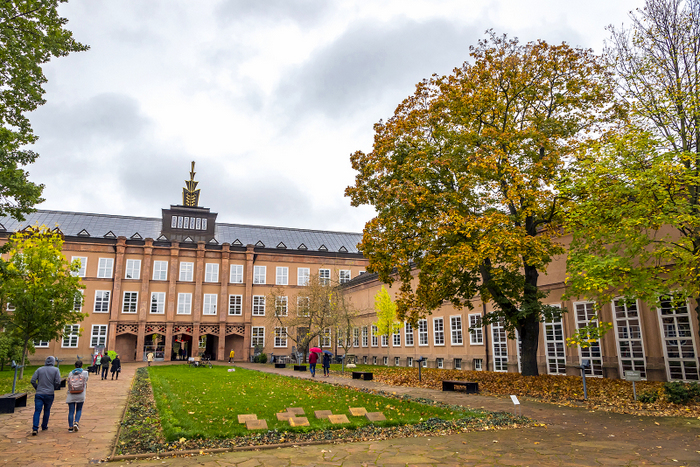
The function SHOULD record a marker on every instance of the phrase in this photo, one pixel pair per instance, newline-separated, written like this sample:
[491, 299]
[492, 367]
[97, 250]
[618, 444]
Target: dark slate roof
[98, 225]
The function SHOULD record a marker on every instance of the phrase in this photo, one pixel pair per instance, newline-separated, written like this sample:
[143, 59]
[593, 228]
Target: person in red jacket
[313, 358]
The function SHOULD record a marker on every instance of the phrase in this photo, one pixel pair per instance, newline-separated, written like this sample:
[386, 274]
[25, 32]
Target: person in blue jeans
[45, 380]
[313, 358]
[75, 400]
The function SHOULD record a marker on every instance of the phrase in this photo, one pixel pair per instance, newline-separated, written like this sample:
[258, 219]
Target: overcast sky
[269, 97]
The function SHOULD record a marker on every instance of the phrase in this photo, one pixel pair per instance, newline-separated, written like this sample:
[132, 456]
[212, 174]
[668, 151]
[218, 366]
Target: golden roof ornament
[190, 194]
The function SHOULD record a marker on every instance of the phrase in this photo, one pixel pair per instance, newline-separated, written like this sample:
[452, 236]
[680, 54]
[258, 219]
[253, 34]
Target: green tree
[31, 33]
[636, 220]
[42, 287]
[387, 322]
[464, 180]
[11, 349]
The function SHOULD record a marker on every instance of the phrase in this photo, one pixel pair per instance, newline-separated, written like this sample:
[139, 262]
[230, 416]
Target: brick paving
[573, 437]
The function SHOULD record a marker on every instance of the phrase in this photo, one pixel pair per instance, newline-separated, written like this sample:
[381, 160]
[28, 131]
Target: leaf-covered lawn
[205, 403]
[607, 394]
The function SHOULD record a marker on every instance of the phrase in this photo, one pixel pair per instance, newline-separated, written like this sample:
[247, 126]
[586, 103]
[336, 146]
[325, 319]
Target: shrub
[681, 393]
[262, 358]
[648, 397]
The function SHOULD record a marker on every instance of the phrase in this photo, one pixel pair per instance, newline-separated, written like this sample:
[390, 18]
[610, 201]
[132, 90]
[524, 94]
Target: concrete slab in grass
[298, 421]
[375, 416]
[358, 411]
[295, 410]
[282, 416]
[338, 419]
[256, 424]
[242, 418]
[322, 413]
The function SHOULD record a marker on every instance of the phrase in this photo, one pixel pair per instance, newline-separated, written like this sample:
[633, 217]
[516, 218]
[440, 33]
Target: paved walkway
[572, 437]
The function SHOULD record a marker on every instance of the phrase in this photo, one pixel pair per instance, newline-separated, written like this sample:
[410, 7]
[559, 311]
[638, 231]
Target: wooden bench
[299, 367]
[8, 402]
[364, 375]
[470, 388]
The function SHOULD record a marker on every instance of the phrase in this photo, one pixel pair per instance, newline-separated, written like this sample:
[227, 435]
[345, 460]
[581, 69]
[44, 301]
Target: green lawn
[23, 385]
[205, 403]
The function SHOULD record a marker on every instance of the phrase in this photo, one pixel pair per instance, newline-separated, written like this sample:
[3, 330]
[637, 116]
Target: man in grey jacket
[44, 380]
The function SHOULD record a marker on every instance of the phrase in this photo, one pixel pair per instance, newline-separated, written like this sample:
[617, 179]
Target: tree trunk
[530, 335]
[24, 358]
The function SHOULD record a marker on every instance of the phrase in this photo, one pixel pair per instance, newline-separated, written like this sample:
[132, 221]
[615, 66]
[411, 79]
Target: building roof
[88, 225]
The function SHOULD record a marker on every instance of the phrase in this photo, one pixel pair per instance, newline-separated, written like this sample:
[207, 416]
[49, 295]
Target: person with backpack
[45, 380]
[105, 364]
[116, 366]
[77, 390]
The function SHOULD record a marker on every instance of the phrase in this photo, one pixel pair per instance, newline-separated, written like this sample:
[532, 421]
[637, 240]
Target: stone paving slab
[242, 418]
[322, 413]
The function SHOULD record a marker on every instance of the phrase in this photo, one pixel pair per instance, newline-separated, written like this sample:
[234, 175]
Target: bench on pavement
[280, 365]
[364, 375]
[299, 367]
[8, 402]
[470, 387]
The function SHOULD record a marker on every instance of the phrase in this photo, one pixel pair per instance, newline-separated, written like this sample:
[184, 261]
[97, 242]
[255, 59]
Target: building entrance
[182, 347]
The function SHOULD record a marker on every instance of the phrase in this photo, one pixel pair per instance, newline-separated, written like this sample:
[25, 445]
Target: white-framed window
[344, 275]
[236, 274]
[184, 304]
[324, 276]
[258, 305]
[375, 339]
[281, 337]
[235, 305]
[78, 301]
[365, 337]
[678, 339]
[202, 342]
[476, 330]
[104, 268]
[456, 330]
[70, 336]
[259, 274]
[424, 363]
[409, 361]
[10, 307]
[374, 360]
[209, 306]
[41, 344]
[83, 266]
[211, 272]
[281, 306]
[303, 275]
[500, 346]
[396, 339]
[355, 337]
[385, 361]
[397, 361]
[438, 331]
[457, 363]
[282, 276]
[99, 335]
[303, 306]
[130, 302]
[422, 332]
[132, 269]
[478, 364]
[584, 312]
[555, 346]
[408, 331]
[186, 271]
[326, 338]
[385, 340]
[257, 336]
[440, 362]
[101, 301]
[364, 359]
[158, 302]
[160, 270]
[628, 333]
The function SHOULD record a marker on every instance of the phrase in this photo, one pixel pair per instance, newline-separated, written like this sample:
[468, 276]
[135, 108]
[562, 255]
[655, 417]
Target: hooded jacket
[46, 378]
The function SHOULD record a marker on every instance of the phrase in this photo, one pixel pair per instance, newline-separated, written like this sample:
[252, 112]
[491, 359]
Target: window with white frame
[396, 338]
[440, 362]
[356, 337]
[585, 312]
[83, 266]
[303, 275]
[101, 301]
[259, 274]
[385, 340]
[257, 336]
[78, 301]
[458, 363]
[186, 271]
[365, 337]
[476, 330]
[374, 360]
[235, 305]
[397, 361]
[438, 331]
[409, 334]
[424, 363]
[258, 305]
[281, 337]
[409, 361]
[344, 275]
[478, 364]
[375, 339]
[236, 274]
[211, 272]
[282, 276]
[555, 346]
[326, 338]
[184, 304]
[281, 306]
[422, 332]
[158, 302]
[130, 302]
[456, 330]
[99, 335]
[678, 339]
[11, 307]
[385, 361]
[70, 336]
[104, 268]
[324, 276]
[41, 344]
[160, 270]
[132, 269]
[303, 307]
[499, 340]
[628, 331]
[209, 307]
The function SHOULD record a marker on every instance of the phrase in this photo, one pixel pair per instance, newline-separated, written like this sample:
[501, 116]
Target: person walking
[45, 380]
[116, 367]
[149, 357]
[97, 364]
[105, 364]
[326, 364]
[77, 390]
[313, 358]
[230, 356]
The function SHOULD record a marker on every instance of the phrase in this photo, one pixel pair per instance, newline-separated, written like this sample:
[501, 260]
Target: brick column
[171, 302]
[144, 299]
[116, 293]
[168, 341]
[248, 298]
[223, 301]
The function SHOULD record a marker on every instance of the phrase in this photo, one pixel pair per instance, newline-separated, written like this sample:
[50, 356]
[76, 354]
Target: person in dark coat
[105, 364]
[326, 365]
[313, 358]
[116, 367]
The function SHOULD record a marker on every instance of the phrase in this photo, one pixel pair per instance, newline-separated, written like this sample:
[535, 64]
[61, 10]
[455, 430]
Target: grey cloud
[304, 12]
